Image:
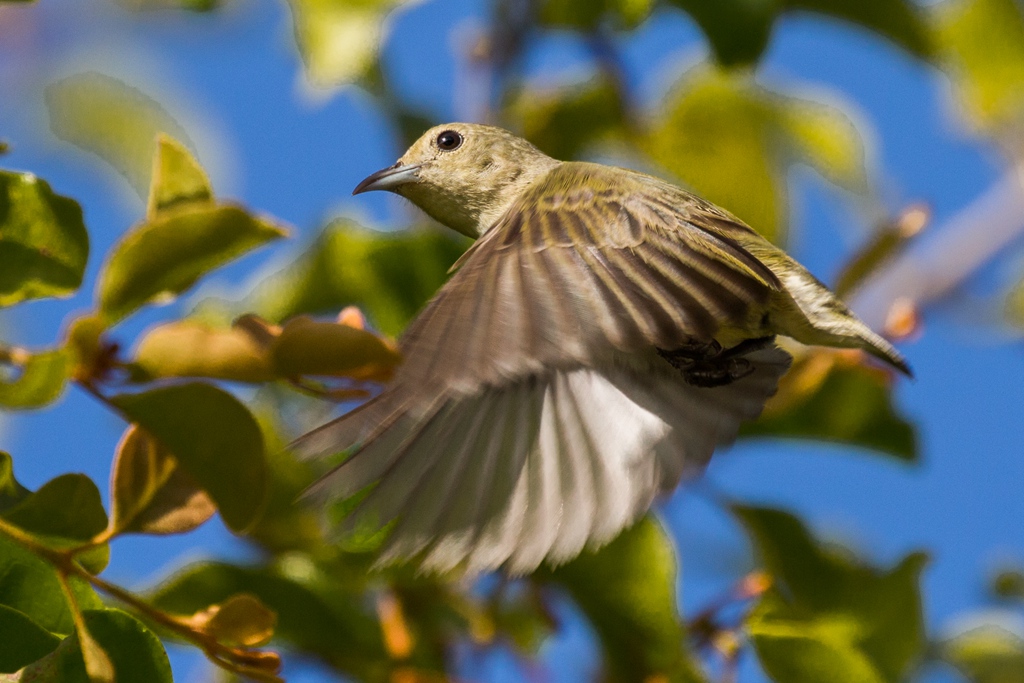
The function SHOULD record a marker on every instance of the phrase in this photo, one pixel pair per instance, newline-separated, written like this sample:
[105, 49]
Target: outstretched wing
[530, 384]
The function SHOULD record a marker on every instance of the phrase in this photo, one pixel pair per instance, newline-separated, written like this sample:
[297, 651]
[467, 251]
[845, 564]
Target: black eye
[449, 140]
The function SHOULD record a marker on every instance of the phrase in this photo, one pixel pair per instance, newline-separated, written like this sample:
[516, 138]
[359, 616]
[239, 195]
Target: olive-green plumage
[550, 390]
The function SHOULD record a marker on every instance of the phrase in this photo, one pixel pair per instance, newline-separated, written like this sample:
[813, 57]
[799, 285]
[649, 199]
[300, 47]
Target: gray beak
[388, 178]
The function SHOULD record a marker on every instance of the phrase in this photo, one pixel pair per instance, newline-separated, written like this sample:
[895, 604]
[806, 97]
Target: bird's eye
[449, 140]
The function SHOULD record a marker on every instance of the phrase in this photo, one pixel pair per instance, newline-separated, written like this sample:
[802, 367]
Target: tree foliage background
[160, 342]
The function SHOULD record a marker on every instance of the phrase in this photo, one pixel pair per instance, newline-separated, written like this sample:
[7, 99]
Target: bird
[603, 335]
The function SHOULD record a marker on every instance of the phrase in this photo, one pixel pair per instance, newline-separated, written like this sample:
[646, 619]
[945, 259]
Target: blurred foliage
[193, 447]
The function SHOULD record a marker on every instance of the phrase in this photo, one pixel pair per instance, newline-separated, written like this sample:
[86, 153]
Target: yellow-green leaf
[240, 621]
[43, 242]
[114, 121]
[164, 257]
[214, 438]
[150, 493]
[68, 506]
[177, 178]
[310, 347]
[987, 653]
[39, 381]
[189, 348]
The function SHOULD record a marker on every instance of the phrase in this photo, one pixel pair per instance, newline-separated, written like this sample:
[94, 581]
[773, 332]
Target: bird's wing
[513, 404]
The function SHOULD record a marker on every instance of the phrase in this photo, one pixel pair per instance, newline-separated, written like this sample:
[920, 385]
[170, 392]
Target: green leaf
[178, 178]
[135, 653]
[189, 348]
[22, 641]
[339, 39]
[309, 347]
[587, 15]
[68, 506]
[390, 275]
[43, 241]
[1009, 584]
[150, 493]
[316, 614]
[567, 122]
[826, 400]
[627, 590]
[114, 121]
[733, 141]
[827, 612]
[240, 621]
[739, 30]
[11, 491]
[165, 256]
[29, 585]
[214, 438]
[981, 45]
[41, 380]
[986, 653]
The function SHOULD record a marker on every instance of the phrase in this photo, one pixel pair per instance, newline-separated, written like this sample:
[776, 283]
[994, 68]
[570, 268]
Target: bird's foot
[707, 364]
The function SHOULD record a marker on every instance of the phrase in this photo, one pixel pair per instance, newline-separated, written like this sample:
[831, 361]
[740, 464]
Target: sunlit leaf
[39, 381]
[11, 491]
[589, 14]
[43, 241]
[188, 348]
[68, 506]
[135, 653]
[177, 178]
[150, 493]
[22, 641]
[981, 43]
[240, 621]
[566, 122]
[214, 438]
[986, 653]
[338, 39]
[388, 275]
[732, 141]
[827, 611]
[29, 585]
[316, 614]
[164, 257]
[627, 590]
[114, 121]
[310, 347]
[826, 397]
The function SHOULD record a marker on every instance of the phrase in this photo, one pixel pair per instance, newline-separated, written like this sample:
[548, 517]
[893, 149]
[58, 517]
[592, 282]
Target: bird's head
[463, 175]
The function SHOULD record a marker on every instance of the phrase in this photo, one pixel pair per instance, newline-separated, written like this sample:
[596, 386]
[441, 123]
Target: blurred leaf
[566, 122]
[732, 141]
[827, 614]
[85, 344]
[136, 654]
[739, 30]
[240, 621]
[114, 121]
[29, 585]
[188, 348]
[586, 15]
[989, 653]
[627, 590]
[39, 381]
[68, 506]
[214, 438]
[11, 491]
[339, 39]
[164, 257]
[22, 641]
[43, 242]
[981, 43]
[177, 178]
[316, 614]
[1009, 584]
[150, 493]
[390, 275]
[824, 398]
[309, 347]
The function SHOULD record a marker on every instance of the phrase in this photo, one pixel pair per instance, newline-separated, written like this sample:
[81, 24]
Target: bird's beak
[388, 178]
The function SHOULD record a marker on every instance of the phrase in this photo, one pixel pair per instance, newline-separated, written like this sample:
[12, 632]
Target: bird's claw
[707, 364]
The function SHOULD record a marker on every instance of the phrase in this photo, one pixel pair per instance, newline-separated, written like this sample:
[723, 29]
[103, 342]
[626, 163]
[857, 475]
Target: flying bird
[603, 335]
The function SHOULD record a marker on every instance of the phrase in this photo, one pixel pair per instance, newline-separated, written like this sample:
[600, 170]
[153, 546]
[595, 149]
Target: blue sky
[232, 79]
